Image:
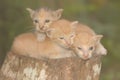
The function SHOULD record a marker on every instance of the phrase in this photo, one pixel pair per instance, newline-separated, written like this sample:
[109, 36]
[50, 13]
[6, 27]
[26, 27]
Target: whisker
[30, 29]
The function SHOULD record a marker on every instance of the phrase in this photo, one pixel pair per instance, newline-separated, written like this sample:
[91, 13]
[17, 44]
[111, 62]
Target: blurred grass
[101, 15]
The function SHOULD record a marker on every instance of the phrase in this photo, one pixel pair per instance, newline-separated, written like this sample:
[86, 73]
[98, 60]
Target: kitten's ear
[74, 24]
[30, 11]
[97, 38]
[49, 32]
[57, 14]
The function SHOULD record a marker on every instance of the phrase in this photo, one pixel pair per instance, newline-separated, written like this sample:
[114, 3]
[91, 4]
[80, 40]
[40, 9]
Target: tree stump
[17, 67]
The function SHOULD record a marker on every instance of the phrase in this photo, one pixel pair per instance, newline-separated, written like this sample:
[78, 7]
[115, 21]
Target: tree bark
[16, 67]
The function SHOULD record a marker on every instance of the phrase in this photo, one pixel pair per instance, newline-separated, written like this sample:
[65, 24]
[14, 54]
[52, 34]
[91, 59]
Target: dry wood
[17, 67]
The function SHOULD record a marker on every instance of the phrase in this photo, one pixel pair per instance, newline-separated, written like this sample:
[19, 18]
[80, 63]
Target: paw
[102, 51]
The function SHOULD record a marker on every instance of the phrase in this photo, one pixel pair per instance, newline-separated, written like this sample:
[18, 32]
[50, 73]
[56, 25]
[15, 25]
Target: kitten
[86, 42]
[42, 18]
[62, 32]
[53, 48]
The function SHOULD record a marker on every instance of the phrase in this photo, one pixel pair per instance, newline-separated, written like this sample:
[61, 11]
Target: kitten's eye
[36, 21]
[61, 37]
[91, 48]
[79, 48]
[47, 21]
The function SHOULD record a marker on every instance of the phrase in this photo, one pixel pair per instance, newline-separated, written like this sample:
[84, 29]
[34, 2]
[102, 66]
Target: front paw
[102, 51]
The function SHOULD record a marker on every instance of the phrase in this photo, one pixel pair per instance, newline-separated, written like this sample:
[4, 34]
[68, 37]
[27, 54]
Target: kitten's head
[84, 44]
[62, 32]
[43, 17]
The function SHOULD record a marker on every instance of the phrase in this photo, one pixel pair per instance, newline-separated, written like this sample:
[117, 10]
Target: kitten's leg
[100, 49]
[41, 36]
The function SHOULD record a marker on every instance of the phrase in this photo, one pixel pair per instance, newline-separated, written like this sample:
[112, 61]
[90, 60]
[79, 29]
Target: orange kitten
[60, 33]
[42, 18]
[86, 42]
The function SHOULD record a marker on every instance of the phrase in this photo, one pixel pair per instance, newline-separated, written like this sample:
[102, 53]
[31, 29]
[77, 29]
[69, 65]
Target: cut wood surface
[17, 67]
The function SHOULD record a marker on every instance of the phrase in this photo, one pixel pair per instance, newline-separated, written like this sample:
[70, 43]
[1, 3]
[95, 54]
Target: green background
[103, 16]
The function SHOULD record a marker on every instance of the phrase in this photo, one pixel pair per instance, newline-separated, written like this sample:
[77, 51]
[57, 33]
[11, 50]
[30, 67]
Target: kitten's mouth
[82, 57]
[42, 30]
[85, 58]
[66, 46]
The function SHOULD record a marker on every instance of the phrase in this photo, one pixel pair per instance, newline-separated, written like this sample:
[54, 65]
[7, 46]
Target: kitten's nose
[68, 43]
[42, 27]
[85, 56]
